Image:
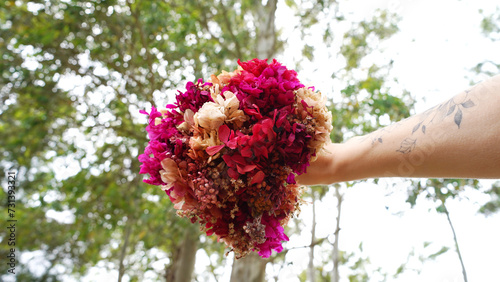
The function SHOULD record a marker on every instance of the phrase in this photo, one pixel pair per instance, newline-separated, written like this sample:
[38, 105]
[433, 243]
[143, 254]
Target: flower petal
[233, 143]
[247, 152]
[232, 173]
[224, 132]
[229, 161]
[258, 177]
[245, 169]
[212, 150]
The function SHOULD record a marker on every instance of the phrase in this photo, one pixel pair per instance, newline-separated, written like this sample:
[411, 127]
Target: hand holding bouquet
[228, 150]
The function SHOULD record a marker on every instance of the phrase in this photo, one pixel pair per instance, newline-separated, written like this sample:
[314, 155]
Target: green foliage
[439, 190]
[123, 53]
[359, 40]
[493, 205]
[367, 101]
[356, 266]
[490, 26]
[428, 252]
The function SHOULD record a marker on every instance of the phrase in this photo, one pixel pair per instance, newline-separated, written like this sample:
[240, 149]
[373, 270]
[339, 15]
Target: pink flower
[275, 234]
[194, 97]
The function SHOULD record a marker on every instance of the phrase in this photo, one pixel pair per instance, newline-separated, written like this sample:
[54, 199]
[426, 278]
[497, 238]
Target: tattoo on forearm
[437, 114]
[407, 145]
[376, 136]
[451, 107]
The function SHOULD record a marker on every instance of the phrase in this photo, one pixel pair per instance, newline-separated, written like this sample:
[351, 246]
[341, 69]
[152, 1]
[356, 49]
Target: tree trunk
[310, 269]
[336, 254]
[251, 268]
[266, 29]
[123, 252]
[182, 267]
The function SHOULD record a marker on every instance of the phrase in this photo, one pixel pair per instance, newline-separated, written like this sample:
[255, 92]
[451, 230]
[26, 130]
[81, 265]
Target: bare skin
[459, 138]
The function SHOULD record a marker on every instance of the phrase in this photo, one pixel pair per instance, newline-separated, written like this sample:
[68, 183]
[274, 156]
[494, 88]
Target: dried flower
[210, 116]
[227, 152]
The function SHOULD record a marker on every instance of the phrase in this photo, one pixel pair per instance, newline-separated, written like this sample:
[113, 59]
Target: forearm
[456, 139]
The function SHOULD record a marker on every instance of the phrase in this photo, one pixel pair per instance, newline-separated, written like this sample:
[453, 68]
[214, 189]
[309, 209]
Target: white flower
[206, 122]
[210, 116]
[231, 105]
[188, 123]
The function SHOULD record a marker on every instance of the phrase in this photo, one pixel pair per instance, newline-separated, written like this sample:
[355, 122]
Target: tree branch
[335, 255]
[455, 239]
[123, 252]
[204, 24]
[310, 267]
[149, 60]
[225, 16]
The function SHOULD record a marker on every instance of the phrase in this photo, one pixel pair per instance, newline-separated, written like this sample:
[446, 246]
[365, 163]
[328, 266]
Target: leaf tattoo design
[439, 113]
[459, 113]
[468, 104]
[377, 139]
[458, 118]
[448, 108]
[416, 127]
[407, 145]
[451, 110]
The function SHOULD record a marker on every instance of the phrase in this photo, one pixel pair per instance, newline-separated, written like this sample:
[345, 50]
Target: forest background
[74, 75]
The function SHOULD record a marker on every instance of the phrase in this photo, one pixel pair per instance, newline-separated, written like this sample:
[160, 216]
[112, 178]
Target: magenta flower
[275, 234]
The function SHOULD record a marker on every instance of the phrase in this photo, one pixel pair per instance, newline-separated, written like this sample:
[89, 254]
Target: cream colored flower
[196, 143]
[312, 99]
[170, 173]
[316, 107]
[231, 105]
[215, 91]
[229, 101]
[163, 111]
[210, 116]
[203, 141]
[206, 123]
[225, 76]
[188, 123]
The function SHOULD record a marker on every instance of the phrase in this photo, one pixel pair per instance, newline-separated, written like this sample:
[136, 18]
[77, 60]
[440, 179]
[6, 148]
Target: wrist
[358, 159]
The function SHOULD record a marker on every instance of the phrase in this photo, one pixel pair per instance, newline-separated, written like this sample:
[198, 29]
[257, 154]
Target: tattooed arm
[459, 138]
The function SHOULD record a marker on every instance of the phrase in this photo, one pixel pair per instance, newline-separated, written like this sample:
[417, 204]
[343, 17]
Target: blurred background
[74, 75]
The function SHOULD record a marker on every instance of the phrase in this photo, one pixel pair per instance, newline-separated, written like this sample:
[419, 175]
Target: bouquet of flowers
[228, 150]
